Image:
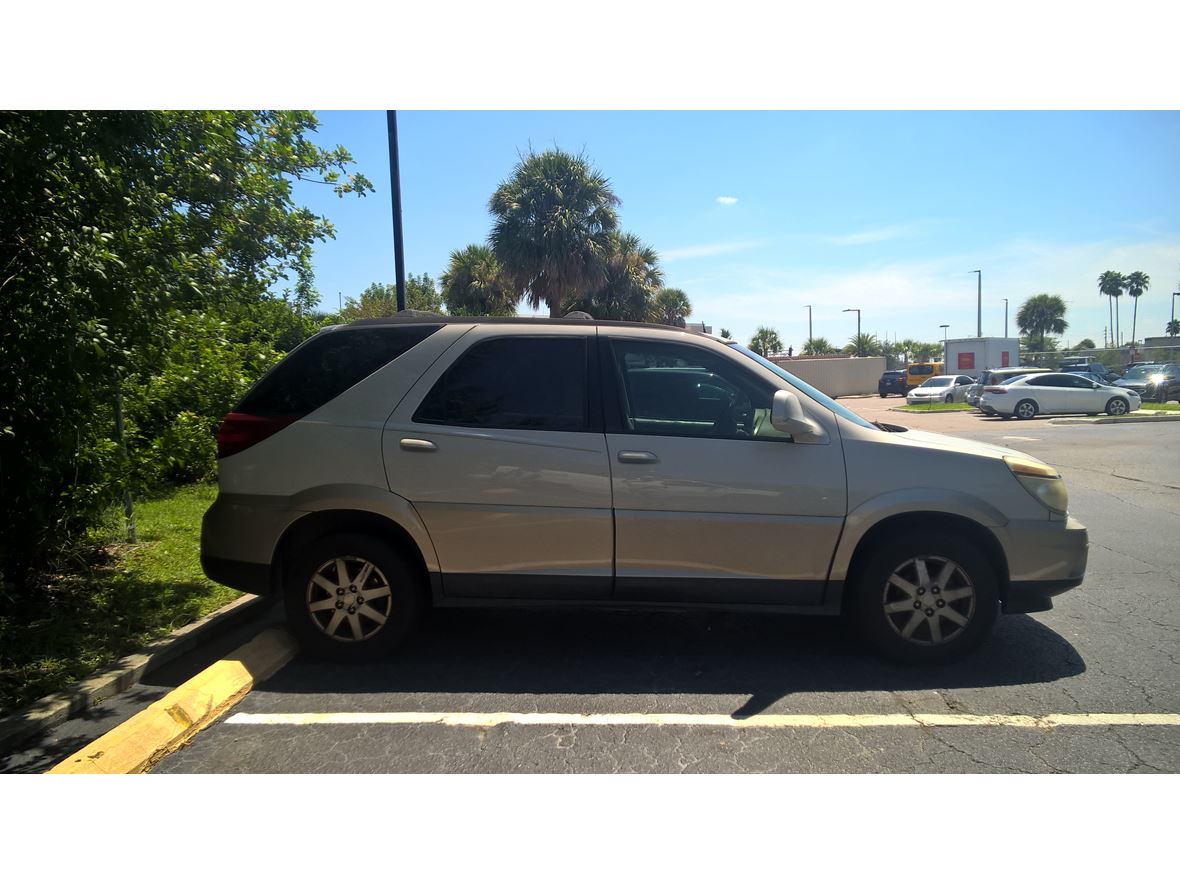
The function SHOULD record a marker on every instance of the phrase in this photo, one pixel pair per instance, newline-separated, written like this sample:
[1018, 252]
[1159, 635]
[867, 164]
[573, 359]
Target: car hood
[929, 440]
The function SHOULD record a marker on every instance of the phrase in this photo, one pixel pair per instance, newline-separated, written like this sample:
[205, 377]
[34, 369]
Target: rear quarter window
[328, 364]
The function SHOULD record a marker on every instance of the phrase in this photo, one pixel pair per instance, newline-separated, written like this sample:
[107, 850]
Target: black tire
[884, 395]
[896, 558]
[1162, 395]
[949, 398]
[1025, 409]
[1116, 405]
[402, 606]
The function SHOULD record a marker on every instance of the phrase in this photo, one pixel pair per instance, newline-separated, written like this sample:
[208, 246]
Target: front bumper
[1045, 559]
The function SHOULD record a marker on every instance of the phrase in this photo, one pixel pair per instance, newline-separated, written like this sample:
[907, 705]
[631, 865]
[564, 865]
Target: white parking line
[1025, 438]
[834, 720]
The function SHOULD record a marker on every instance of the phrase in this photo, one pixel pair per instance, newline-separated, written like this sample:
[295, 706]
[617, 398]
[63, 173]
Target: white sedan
[940, 389]
[1056, 393]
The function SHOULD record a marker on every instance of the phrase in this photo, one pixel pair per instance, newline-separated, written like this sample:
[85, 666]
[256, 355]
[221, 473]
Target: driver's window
[681, 390]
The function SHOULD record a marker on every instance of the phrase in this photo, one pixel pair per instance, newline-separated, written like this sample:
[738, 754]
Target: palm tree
[552, 221]
[1173, 328]
[671, 307]
[725, 333]
[766, 342]
[817, 347]
[924, 352]
[474, 284]
[1042, 314]
[1137, 283]
[1111, 284]
[863, 345]
[632, 276]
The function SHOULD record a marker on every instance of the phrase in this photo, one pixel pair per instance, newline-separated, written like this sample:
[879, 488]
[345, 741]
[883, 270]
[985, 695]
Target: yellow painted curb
[153, 733]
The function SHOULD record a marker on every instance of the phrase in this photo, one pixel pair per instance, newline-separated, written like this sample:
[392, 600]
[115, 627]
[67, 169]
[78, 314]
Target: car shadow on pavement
[766, 657]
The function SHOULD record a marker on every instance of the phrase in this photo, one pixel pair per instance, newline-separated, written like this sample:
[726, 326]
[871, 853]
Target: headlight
[1157, 378]
[1041, 481]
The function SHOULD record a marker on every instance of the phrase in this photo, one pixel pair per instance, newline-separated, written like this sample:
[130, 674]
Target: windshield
[822, 398]
[1142, 372]
[938, 382]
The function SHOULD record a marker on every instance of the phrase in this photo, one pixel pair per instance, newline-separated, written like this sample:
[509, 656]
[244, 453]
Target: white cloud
[704, 250]
[727, 201]
[872, 235]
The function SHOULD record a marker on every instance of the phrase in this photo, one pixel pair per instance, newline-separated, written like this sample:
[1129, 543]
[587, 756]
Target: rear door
[712, 504]
[501, 451]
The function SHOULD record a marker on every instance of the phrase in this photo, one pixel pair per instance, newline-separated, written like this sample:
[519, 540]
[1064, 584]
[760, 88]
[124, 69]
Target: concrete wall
[840, 376]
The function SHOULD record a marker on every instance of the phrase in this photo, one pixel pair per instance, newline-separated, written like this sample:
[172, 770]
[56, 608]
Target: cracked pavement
[1109, 646]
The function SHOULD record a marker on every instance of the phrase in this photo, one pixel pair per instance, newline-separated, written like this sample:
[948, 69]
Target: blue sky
[756, 214]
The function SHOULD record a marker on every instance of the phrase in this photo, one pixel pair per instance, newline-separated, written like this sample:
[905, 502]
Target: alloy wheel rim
[1026, 410]
[1118, 407]
[929, 600]
[349, 599]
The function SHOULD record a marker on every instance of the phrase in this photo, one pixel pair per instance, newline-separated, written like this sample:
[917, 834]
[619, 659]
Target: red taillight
[239, 431]
[995, 390]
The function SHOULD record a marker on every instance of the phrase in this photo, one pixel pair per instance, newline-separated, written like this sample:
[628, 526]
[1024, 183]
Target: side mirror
[1094, 385]
[787, 415]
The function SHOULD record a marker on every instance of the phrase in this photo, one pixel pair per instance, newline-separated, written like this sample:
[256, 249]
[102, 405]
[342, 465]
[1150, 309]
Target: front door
[712, 504]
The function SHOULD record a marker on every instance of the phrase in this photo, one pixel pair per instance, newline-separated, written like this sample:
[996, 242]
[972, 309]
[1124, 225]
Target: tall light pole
[1005, 317]
[857, 310]
[808, 306]
[395, 190]
[979, 304]
[1175, 295]
[945, 355]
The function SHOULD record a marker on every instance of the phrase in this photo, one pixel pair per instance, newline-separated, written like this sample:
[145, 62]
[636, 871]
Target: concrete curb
[151, 734]
[28, 723]
[1122, 419]
[931, 411]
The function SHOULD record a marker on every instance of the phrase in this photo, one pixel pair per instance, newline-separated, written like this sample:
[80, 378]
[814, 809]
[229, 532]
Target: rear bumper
[1045, 559]
[249, 577]
[239, 536]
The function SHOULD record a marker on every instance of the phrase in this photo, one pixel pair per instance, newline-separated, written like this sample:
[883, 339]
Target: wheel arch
[915, 524]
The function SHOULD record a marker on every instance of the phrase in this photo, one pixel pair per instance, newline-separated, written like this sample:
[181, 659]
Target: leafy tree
[766, 341]
[1137, 283]
[927, 351]
[671, 307]
[551, 227]
[863, 345]
[1040, 315]
[818, 347]
[725, 333]
[632, 279]
[474, 284]
[1039, 344]
[1086, 344]
[906, 348]
[380, 299]
[1111, 284]
[110, 223]
[1173, 328]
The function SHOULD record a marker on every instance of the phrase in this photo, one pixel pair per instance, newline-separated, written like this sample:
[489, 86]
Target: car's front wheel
[927, 600]
[1116, 406]
[351, 597]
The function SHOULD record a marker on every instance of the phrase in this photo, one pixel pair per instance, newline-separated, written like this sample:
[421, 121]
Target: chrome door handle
[638, 457]
[418, 445]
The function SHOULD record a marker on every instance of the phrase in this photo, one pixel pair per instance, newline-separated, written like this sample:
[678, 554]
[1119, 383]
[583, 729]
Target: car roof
[418, 317]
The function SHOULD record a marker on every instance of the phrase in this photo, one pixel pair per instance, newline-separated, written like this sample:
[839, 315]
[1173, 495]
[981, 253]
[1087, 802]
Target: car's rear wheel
[1025, 409]
[927, 600]
[1116, 406]
[1162, 395]
[351, 597]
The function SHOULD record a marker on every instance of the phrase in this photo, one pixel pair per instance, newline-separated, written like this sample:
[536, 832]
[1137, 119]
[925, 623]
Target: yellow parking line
[832, 720]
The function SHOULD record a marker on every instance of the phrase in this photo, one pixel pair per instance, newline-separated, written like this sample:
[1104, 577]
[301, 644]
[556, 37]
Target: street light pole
[857, 310]
[979, 305]
[395, 190]
[808, 306]
[945, 354]
[1175, 295]
[1005, 317]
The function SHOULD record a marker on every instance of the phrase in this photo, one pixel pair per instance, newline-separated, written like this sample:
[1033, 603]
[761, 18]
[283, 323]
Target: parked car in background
[1089, 376]
[392, 465]
[1157, 383]
[916, 373]
[940, 389]
[892, 381]
[1082, 364]
[996, 376]
[1056, 393]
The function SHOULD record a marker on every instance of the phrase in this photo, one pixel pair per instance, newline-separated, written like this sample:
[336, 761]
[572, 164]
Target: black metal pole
[395, 181]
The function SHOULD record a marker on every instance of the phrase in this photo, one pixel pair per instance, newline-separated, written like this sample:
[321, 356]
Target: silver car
[940, 389]
[392, 465]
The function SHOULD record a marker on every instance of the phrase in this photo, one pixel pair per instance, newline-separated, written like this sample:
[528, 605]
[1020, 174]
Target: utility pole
[945, 352]
[395, 189]
[979, 304]
[1005, 317]
[850, 310]
[808, 306]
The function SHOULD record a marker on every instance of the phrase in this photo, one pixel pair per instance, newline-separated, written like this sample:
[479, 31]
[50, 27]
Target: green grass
[125, 596]
[937, 407]
[1161, 407]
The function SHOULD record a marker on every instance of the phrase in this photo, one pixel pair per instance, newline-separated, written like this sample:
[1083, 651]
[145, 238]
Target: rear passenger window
[328, 364]
[515, 384]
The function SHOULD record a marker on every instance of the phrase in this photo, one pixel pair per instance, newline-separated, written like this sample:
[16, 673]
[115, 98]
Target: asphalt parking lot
[665, 692]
